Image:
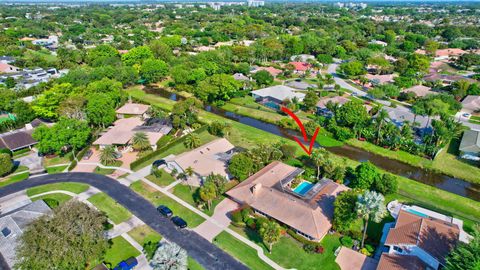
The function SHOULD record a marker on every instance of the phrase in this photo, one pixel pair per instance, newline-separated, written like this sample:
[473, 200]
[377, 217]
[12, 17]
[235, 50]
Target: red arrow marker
[304, 133]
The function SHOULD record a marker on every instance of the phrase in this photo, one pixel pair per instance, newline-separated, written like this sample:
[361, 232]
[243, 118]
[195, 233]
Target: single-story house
[445, 54]
[398, 117]
[273, 71]
[132, 109]
[209, 158]
[7, 59]
[470, 145]
[419, 90]
[446, 79]
[301, 85]
[322, 104]
[349, 259]
[17, 140]
[471, 104]
[7, 68]
[306, 208]
[425, 240]
[240, 77]
[273, 96]
[12, 225]
[123, 130]
[300, 67]
[376, 79]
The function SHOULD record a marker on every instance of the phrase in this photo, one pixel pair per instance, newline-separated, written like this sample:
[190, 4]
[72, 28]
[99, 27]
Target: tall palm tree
[192, 141]
[380, 119]
[140, 141]
[208, 192]
[270, 233]
[319, 156]
[370, 206]
[169, 256]
[107, 155]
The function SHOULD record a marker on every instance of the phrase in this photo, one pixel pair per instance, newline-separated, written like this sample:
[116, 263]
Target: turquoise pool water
[415, 212]
[303, 188]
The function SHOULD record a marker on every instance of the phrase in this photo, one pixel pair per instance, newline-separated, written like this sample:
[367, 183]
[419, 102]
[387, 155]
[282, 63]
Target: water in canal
[441, 181]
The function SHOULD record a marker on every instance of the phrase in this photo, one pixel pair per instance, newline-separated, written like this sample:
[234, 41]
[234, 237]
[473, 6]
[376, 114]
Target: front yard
[163, 181]
[192, 196]
[114, 211]
[72, 187]
[143, 234]
[120, 250]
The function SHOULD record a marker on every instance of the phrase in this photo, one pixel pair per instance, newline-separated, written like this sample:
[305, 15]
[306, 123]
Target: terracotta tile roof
[123, 130]
[133, 108]
[349, 259]
[322, 103]
[273, 71]
[419, 90]
[261, 192]
[300, 66]
[434, 236]
[400, 262]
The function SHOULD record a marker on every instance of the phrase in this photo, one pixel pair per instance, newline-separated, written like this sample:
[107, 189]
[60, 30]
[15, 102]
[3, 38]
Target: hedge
[79, 156]
[301, 239]
[139, 162]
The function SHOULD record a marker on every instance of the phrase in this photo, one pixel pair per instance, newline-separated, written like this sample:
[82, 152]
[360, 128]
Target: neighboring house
[300, 67]
[349, 259]
[17, 140]
[240, 77]
[123, 130]
[419, 90]
[132, 109]
[378, 42]
[6, 59]
[302, 57]
[446, 79]
[31, 77]
[470, 145]
[212, 157]
[322, 104]
[273, 96]
[445, 54]
[399, 116]
[471, 104]
[306, 208]
[301, 85]
[376, 79]
[14, 223]
[6, 68]
[418, 241]
[273, 71]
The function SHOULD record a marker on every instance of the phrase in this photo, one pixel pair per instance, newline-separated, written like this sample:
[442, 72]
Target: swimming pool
[303, 188]
[415, 212]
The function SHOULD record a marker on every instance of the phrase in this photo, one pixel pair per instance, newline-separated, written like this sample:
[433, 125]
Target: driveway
[332, 69]
[209, 230]
[32, 161]
[205, 253]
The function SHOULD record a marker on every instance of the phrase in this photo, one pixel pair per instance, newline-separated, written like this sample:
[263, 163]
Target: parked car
[165, 211]
[159, 162]
[466, 115]
[128, 264]
[117, 155]
[88, 154]
[179, 222]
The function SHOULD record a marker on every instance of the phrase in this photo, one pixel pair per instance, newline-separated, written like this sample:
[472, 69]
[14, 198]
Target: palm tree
[169, 256]
[208, 192]
[370, 206]
[107, 155]
[319, 156]
[192, 141]
[189, 172]
[380, 119]
[140, 141]
[270, 233]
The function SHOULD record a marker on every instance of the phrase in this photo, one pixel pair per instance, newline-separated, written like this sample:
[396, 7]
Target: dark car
[130, 263]
[179, 222]
[165, 211]
[159, 162]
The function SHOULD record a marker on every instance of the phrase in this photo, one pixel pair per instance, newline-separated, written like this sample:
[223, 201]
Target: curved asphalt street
[204, 252]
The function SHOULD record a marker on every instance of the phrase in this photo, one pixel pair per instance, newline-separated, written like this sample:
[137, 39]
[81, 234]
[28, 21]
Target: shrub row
[80, 155]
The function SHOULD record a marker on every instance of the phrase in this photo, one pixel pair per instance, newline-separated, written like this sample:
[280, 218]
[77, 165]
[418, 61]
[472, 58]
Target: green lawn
[162, 103]
[157, 198]
[270, 117]
[163, 181]
[120, 250]
[240, 250]
[189, 196]
[289, 253]
[144, 234]
[47, 162]
[72, 187]
[103, 171]
[114, 211]
[20, 168]
[56, 169]
[194, 265]
[60, 197]
[249, 102]
[14, 179]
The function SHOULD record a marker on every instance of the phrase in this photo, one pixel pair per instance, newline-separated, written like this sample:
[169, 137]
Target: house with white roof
[273, 96]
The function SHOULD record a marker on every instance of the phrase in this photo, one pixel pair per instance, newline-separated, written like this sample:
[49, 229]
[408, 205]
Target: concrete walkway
[14, 201]
[209, 230]
[124, 227]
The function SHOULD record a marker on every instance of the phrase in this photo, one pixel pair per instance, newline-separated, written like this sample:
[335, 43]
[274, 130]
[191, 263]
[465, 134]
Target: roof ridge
[419, 231]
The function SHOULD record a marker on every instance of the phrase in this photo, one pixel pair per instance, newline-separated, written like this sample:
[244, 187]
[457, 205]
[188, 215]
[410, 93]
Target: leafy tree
[161, 50]
[310, 100]
[270, 232]
[23, 111]
[71, 238]
[153, 70]
[64, 135]
[217, 87]
[365, 175]
[370, 206]
[101, 55]
[100, 110]
[137, 55]
[240, 166]
[344, 210]
[465, 256]
[467, 60]
[218, 180]
[387, 184]
[352, 68]
[46, 105]
[263, 78]
[208, 192]
[185, 113]
[431, 47]
[169, 256]
[288, 151]
[110, 87]
[319, 156]
[217, 128]
[140, 141]
[192, 140]
[107, 155]
[6, 163]
[10, 82]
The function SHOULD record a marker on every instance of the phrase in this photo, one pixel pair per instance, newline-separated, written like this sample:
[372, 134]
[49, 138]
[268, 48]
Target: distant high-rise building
[255, 3]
